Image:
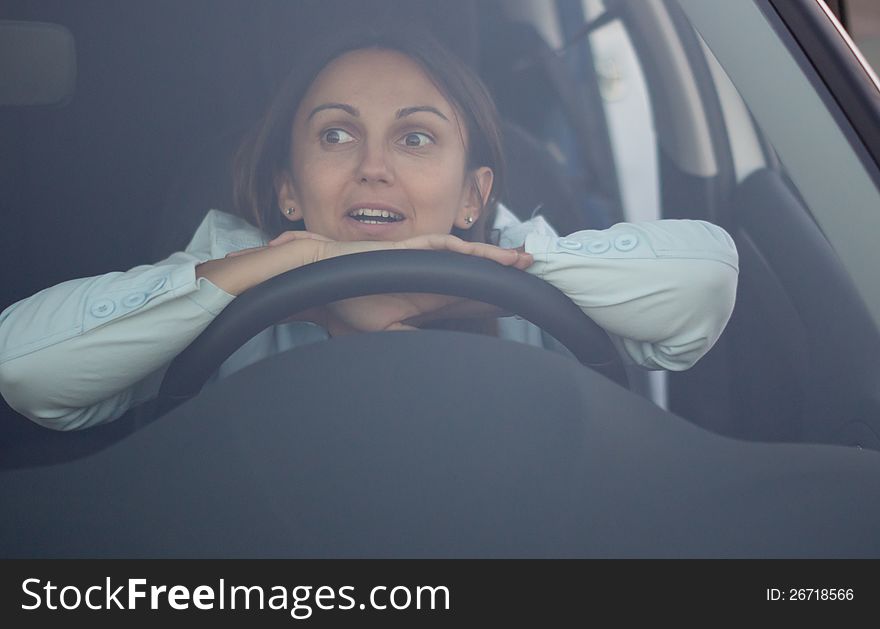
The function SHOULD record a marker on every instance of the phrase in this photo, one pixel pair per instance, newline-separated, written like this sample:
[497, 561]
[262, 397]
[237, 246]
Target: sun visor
[37, 63]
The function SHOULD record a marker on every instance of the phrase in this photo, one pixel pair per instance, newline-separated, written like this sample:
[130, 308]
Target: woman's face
[378, 153]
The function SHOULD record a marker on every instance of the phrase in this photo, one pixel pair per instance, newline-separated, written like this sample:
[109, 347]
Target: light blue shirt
[84, 351]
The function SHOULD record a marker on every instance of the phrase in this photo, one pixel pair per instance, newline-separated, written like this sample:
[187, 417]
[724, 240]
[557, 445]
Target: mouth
[375, 216]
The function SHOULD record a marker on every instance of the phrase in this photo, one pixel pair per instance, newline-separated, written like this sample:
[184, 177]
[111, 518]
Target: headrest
[37, 63]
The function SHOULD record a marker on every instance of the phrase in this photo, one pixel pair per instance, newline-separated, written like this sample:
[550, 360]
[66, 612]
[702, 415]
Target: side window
[745, 146]
[628, 113]
[862, 19]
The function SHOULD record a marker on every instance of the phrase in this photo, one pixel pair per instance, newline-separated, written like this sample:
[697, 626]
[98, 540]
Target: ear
[288, 204]
[476, 192]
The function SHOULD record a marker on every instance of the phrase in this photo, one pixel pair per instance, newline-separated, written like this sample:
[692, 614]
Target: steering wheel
[378, 272]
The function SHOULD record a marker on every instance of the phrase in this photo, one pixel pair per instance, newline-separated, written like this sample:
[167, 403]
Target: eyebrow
[406, 111]
[346, 108]
[401, 113]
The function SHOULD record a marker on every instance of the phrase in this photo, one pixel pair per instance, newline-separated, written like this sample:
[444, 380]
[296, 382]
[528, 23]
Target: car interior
[123, 169]
[167, 117]
[157, 111]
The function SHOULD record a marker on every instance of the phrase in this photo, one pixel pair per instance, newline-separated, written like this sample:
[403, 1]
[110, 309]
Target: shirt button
[134, 300]
[103, 308]
[567, 243]
[626, 242]
[598, 246]
[157, 284]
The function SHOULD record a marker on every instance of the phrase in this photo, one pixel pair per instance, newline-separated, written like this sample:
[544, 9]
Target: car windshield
[120, 130]
[612, 110]
[812, 139]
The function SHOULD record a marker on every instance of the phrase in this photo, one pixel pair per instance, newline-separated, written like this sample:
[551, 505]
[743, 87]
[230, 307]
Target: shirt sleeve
[84, 351]
[665, 288]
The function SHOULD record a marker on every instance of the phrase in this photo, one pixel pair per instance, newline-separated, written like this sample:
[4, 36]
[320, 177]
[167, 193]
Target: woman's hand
[327, 248]
[395, 311]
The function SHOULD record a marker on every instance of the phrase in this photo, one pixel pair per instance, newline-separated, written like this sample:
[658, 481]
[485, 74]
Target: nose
[374, 166]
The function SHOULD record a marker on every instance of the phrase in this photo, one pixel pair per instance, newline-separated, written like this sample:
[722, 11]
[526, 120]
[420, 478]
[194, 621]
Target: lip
[367, 231]
[383, 231]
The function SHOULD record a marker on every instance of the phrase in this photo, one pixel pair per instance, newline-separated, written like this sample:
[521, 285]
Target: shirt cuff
[210, 297]
[538, 245]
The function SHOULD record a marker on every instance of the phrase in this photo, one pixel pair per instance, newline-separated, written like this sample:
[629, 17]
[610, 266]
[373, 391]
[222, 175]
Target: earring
[468, 219]
[290, 210]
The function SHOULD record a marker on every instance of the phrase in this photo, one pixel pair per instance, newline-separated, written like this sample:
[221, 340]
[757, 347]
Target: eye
[337, 136]
[417, 140]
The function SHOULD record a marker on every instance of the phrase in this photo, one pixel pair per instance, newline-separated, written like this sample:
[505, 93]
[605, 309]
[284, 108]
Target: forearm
[665, 287]
[235, 275]
[82, 352]
[76, 354]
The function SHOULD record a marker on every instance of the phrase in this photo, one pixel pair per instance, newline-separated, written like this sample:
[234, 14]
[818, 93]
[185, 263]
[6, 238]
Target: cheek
[449, 204]
[319, 183]
[439, 189]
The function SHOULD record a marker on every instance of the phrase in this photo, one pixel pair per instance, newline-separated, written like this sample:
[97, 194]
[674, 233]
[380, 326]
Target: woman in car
[379, 141]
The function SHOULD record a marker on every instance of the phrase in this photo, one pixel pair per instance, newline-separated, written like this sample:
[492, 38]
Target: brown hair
[265, 153]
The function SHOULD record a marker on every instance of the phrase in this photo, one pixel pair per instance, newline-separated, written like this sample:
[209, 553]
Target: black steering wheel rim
[392, 271]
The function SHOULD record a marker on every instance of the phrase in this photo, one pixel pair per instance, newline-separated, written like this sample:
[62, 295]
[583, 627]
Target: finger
[396, 327]
[507, 257]
[242, 252]
[448, 242]
[282, 238]
[524, 261]
[511, 257]
[290, 236]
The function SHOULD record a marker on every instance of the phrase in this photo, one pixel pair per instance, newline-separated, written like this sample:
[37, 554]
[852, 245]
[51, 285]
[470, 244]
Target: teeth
[363, 212]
